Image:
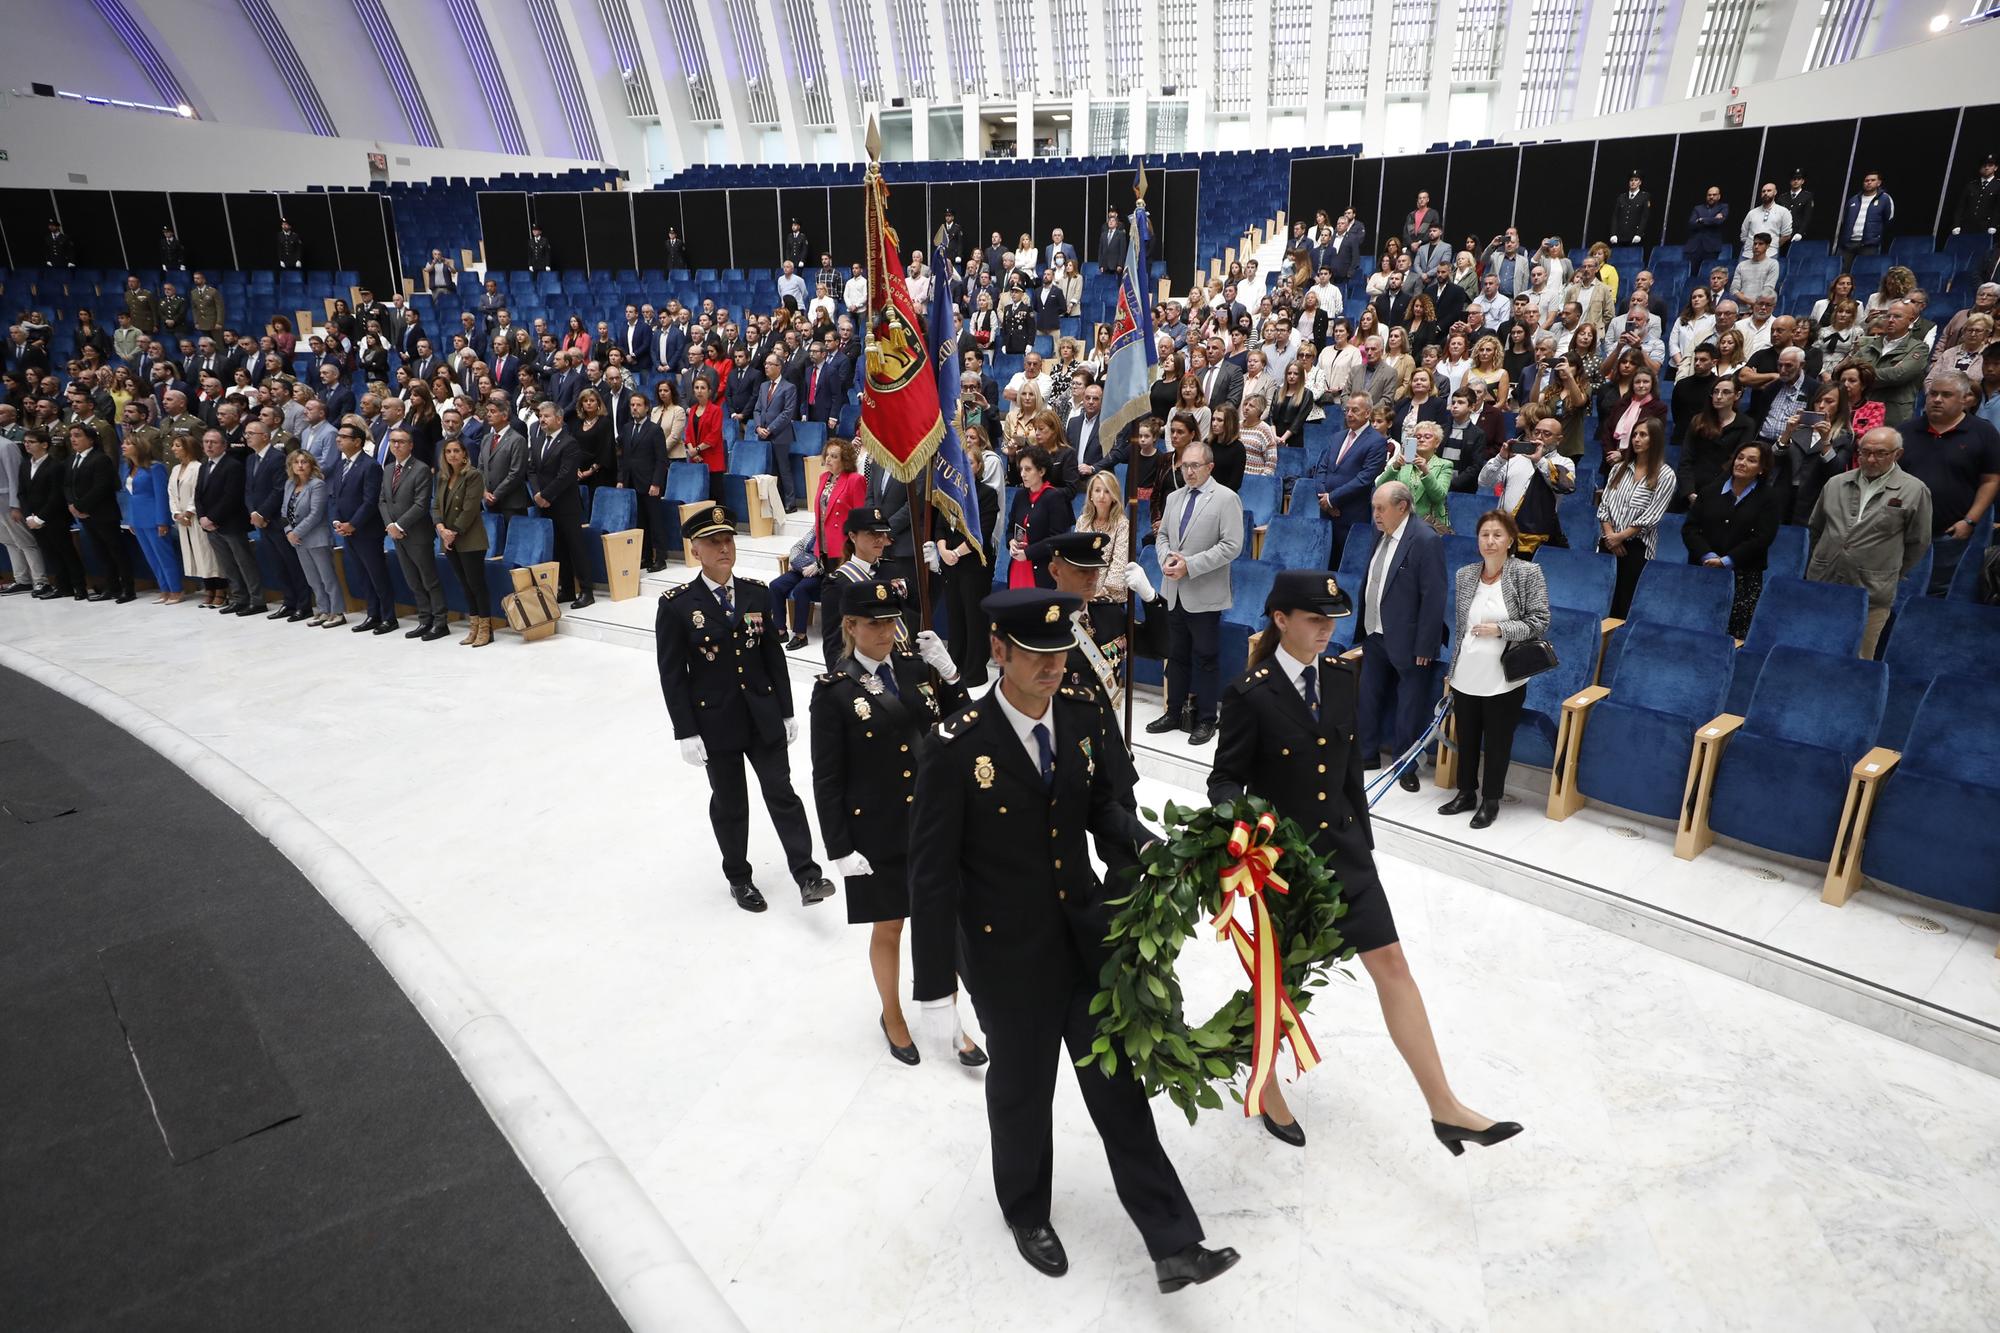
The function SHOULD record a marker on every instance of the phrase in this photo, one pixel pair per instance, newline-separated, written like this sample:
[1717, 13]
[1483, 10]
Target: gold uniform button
[1003, 809]
[1322, 768]
[1321, 795]
[907, 773]
[1322, 823]
[909, 800]
[904, 748]
[1062, 894]
[857, 809]
[989, 930]
[1322, 740]
[1058, 863]
[1284, 752]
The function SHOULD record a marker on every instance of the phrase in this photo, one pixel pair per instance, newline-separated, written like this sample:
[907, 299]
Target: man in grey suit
[1199, 536]
[504, 464]
[1222, 380]
[406, 512]
[777, 409]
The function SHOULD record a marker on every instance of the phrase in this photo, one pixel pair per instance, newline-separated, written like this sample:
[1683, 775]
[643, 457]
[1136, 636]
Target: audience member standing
[354, 503]
[458, 489]
[1345, 473]
[263, 494]
[1501, 601]
[1402, 610]
[1870, 527]
[1201, 534]
[406, 517]
[24, 553]
[552, 465]
[308, 531]
[221, 511]
[44, 513]
[1732, 526]
[145, 490]
[1957, 457]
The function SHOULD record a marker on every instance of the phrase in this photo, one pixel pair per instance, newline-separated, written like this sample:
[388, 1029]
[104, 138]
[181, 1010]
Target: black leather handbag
[1526, 659]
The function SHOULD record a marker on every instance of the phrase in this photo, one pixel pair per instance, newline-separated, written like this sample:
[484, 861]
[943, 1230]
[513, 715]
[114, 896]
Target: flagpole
[1131, 500]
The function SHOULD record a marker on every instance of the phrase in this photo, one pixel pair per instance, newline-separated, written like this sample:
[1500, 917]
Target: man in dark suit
[1392, 307]
[354, 492]
[642, 469]
[39, 495]
[1222, 380]
[722, 672]
[1114, 244]
[264, 497]
[221, 512]
[777, 409]
[426, 362]
[823, 393]
[1403, 604]
[1003, 890]
[90, 490]
[1345, 473]
[670, 343]
[405, 505]
[337, 397]
[505, 369]
[1085, 427]
[635, 338]
[552, 463]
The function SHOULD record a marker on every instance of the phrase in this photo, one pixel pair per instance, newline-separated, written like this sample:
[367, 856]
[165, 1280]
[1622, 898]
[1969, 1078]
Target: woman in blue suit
[142, 504]
[311, 535]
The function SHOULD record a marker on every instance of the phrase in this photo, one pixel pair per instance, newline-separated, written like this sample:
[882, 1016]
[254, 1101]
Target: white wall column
[667, 79]
[727, 78]
[1375, 104]
[1682, 32]
[1507, 88]
[1316, 62]
[1260, 74]
[849, 125]
[1589, 60]
[784, 90]
[1437, 95]
[1024, 124]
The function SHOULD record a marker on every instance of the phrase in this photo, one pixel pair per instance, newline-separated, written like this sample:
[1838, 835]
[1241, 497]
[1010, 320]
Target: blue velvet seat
[1299, 540]
[1578, 577]
[1465, 511]
[1574, 635]
[1668, 682]
[1249, 584]
[1948, 779]
[1691, 597]
[1783, 779]
[1353, 572]
[747, 458]
[1935, 637]
[1787, 558]
[1823, 617]
[1260, 498]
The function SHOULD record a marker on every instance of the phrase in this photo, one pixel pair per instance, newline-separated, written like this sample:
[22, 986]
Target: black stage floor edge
[217, 1112]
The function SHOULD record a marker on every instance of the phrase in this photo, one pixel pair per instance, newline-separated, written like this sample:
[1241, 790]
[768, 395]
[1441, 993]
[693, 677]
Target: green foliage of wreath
[1177, 891]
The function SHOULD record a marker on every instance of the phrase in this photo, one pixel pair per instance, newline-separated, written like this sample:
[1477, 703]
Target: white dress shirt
[1295, 670]
[1379, 566]
[1024, 726]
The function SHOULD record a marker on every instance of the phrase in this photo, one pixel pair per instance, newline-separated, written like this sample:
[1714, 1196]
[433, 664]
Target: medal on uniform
[872, 684]
[753, 624]
[1089, 761]
[930, 698]
[698, 619]
[982, 772]
[862, 710]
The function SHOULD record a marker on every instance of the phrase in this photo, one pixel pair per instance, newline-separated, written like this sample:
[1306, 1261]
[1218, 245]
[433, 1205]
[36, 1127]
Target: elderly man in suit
[354, 492]
[1085, 427]
[1870, 527]
[220, 510]
[1402, 608]
[406, 517]
[1200, 535]
[776, 411]
[1342, 477]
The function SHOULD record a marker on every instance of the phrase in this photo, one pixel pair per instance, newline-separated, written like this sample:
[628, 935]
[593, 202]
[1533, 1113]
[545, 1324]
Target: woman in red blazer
[841, 488]
[704, 435]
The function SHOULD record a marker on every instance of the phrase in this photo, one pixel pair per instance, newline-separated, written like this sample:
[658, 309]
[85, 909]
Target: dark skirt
[882, 896]
[1368, 923]
[1749, 587]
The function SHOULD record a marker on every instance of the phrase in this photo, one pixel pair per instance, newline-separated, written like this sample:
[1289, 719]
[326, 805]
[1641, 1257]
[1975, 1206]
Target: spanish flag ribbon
[1252, 873]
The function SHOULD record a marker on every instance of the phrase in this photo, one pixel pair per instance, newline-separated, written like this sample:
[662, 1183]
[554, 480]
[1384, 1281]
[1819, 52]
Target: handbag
[1526, 659]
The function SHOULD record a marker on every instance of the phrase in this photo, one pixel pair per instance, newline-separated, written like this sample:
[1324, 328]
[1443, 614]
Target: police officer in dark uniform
[1288, 736]
[173, 255]
[722, 671]
[868, 715]
[868, 535]
[59, 251]
[541, 255]
[1076, 561]
[677, 257]
[291, 246]
[1631, 213]
[1006, 790]
[1798, 201]
[952, 237]
[797, 248]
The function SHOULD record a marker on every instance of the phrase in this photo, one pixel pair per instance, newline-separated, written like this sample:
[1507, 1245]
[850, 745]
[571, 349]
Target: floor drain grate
[1923, 925]
[1623, 831]
[1768, 876]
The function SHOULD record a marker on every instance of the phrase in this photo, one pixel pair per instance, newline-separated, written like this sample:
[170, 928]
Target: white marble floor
[1700, 1154]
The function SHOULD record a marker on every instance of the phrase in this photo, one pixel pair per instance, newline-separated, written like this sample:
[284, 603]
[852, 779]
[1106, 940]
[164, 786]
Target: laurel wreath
[1178, 890]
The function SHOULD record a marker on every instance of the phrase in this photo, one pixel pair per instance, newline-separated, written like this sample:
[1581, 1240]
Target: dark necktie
[1188, 512]
[722, 596]
[1048, 753]
[888, 679]
[397, 479]
[1310, 680]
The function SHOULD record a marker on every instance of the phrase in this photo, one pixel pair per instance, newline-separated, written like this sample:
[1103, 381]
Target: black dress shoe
[81, 596]
[303, 613]
[1487, 814]
[280, 613]
[796, 642]
[388, 627]
[973, 1058]
[815, 890]
[125, 597]
[1409, 781]
[250, 609]
[588, 599]
[907, 1054]
[368, 626]
[423, 628]
[1456, 1137]
[99, 597]
[438, 630]
[1203, 733]
[1194, 1265]
[1294, 1133]
[747, 897]
[44, 594]
[1460, 803]
[1163, 724]
[15, 589]
[1042, 1248]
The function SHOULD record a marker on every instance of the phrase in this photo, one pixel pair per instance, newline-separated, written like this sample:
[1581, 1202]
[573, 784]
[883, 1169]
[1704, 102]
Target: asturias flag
[900, 421]
[1135, 357]
[954, 490]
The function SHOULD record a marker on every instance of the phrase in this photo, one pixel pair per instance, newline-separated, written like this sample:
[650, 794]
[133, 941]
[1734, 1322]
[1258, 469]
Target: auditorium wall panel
[1554, 193]
[203, 222]
[809, 205]
[253, 226]
[1726, 159]
[1978, 137]
[503, 226]
[653, 212]
[1179, 240]
[1402, 177]
[909, 215]
[1821, 152]
[311, 217]
[1061, 201]
[24, 221]
[1652, 156]
[1480, 198]
[753, 229]
[705, 227]
[845, 205]
[560, 216]
[1912, 152]
[1008, 207]
[607, 229]
[141, 214]
[365, 244]
[1319, 182]
[92, 227]
[1367, 200]
[1097, 196]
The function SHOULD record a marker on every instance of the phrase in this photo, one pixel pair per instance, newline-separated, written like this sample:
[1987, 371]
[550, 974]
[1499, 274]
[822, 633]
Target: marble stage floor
[1700, 1153]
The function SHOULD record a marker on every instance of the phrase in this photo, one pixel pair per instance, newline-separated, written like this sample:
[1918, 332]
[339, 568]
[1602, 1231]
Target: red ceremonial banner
[901, 424]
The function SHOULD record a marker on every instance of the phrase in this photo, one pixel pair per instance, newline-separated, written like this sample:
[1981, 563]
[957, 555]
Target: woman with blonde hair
[308, 527]
[1396, 352]
[1104, 511]
[198, 559]
[1486, 368]
[1897, 283]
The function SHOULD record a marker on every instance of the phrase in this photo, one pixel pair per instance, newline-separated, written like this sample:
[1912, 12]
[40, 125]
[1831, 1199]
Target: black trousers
[470, 566]
[105, 535]
[1486, 725]
[65, 566]
[572, 545]
[729, 809]
[650, 552]
[967, 628]
[1194, 662]
[1025, 1041]
[1626, 580]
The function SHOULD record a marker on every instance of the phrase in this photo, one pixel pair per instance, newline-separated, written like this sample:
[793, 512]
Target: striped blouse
[1630, 503]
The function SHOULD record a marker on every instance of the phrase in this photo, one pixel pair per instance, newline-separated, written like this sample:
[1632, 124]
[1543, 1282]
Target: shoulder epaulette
[828, 677]
[675, 591]
[952, 727]
[757, 583]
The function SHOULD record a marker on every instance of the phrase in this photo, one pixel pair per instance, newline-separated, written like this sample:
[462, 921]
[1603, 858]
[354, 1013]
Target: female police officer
[1288, 736]
[868, 714]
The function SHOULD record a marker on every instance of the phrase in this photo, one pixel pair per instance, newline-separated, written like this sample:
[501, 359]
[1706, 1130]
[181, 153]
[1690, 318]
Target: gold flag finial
[874, 141]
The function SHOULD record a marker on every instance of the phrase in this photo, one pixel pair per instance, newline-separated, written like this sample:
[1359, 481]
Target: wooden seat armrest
[1724, 724]
[1876, 764]
[1586, 698]
[1608, 624]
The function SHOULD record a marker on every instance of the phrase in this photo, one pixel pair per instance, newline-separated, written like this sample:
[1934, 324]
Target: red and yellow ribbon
[1249, 876]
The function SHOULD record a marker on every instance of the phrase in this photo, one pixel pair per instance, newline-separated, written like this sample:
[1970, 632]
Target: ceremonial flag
[954, 490]
[900, 421]
[1135, 357]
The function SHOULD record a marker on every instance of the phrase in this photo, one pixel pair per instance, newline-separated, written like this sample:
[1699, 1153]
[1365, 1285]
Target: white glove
[852, 865]
[695, 752]
[791, 730]
[931, 557]
[1136, 580]
[937, 1025]
[1954, 231]
[932, 650]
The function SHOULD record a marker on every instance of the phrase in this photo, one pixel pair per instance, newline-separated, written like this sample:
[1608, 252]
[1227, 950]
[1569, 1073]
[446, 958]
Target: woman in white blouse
[1635, 498]
[1027, 259]
[1695, 326]
[197, 555]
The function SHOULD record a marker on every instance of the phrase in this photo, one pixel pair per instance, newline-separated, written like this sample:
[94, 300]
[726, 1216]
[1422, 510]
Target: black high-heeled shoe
[907, 1054]
[1455, 1137]
[1294, 1133]
[973, 1058]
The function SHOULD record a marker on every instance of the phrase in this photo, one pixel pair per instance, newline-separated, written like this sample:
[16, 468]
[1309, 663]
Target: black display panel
[1821, 151]
[1179, 238]
[1652, 156]
[1554, 192]
[1911, 151]
[1978, 138]
[1008, 207]
[24, 220]
[909, 217]
[1367, 202]
[653, 211]
[1319, 182]
[607, 230]
[753, 229]
[1097, 193]
[705, 227]
[141, 214]
[808, 205]
[203, 223]
[366, 247]
[1062, 201]
[87, 217]
[253, 226]
[1726, 159]
[560, 217]
[1480, 197]
[1402, 177]
[962, 198]
[503, 229]
[849, 223]
[312, 217]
